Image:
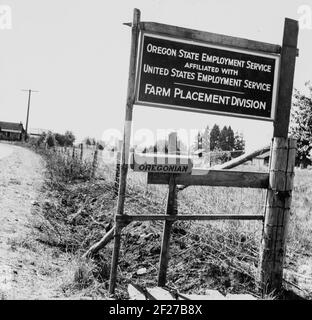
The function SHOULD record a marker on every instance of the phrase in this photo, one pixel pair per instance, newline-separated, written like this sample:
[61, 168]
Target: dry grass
[300, 225]
[221, 254]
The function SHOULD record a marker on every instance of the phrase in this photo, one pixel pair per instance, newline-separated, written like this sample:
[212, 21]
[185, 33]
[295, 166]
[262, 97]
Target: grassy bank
[219, 255]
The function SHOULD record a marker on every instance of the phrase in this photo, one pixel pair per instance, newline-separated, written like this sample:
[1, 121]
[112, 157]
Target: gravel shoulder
[28, 269]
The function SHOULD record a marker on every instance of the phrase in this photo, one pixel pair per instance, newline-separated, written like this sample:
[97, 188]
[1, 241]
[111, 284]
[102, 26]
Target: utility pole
[28, 107]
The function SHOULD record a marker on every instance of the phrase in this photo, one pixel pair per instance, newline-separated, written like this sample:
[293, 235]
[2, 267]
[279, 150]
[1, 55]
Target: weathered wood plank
[215, 178]
[286, 78]
[147, 217]
[100, 244]
[273, 244]
[172, 210]
[209, 37]
[126, 145]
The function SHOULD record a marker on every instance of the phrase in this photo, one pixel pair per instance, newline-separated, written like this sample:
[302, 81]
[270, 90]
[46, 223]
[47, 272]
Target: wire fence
[234, 244]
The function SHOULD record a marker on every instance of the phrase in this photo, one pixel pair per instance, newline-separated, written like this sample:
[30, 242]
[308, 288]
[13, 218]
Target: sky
[76, 54]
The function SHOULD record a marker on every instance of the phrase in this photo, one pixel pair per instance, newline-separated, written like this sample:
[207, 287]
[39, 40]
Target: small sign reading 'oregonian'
[193, 76]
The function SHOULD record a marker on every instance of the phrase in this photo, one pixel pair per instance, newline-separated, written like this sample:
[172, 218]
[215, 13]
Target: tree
[87, 141]
[65, 140]
[231, 139]
[100, 146]
[50, 139]
[206, 139]
[301, 125]
[239, 144]
[161, 146]
[214, 137]
[60, 139]
[198, 142]
[69, 138]
[42, 138]
[223, 139]
[226, 139]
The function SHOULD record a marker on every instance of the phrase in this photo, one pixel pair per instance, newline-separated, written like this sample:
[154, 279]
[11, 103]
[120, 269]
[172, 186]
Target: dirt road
[5, 150]
[28, 270]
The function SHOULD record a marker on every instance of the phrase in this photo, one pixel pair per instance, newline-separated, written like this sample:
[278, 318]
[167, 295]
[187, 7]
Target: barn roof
[11, 126]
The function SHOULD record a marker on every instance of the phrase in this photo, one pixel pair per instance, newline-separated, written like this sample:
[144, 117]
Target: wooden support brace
[242, 159]
[172, 210]
[214, 178]
[188, 217]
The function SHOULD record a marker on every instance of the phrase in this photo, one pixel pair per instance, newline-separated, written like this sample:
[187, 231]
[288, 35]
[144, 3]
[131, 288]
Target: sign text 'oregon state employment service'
[193, 76]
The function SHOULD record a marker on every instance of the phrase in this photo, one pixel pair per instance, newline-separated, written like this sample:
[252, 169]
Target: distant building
[262, 159]
[36, 132]
[11, 131]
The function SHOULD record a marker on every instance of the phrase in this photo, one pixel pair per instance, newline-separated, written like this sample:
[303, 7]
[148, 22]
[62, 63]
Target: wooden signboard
[194, 76]
[161, 163]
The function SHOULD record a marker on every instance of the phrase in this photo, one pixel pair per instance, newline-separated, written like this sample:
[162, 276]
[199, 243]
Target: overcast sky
[76, 53]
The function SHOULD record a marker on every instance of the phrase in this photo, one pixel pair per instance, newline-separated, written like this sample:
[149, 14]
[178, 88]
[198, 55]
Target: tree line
[223, 139]
[209, 140]
[220, 140]
[53, 139]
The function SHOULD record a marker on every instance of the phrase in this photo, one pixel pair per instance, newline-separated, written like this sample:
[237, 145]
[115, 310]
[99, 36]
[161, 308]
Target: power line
[28, 107]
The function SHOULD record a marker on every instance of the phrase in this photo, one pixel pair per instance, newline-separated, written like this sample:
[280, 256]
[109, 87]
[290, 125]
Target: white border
[276, 57]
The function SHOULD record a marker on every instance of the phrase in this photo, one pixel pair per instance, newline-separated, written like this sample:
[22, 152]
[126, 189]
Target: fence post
[74, 150]
[172, 209]
[273, 244]
[94, 163]
[81, 151]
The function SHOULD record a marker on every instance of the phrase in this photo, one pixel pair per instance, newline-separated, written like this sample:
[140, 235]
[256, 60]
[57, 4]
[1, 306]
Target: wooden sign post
[282, 162]
[273, 244]
[125, 146]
